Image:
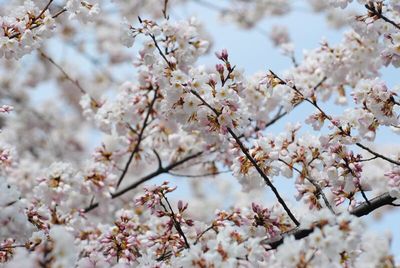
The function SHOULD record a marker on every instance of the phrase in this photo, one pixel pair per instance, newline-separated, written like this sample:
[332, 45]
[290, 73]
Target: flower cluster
[394, 181]
[6, 109]
[83, 10]
[377, 99]
[119, 108]
[24, 30]
[121, 241]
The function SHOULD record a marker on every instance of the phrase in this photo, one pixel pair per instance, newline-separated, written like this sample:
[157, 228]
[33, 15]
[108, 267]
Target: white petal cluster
[83, 11]
[24, 30]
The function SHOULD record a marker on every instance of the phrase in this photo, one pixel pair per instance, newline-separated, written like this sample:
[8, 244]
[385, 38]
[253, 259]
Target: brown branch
[200, 175]
[7, 248]
[279, 115]
[139, 140]
[177, 225]
[159, 161]
[371, 8]
[375, 203]
[159, 49]
[253, 162]
[264, 176]
[361, 210]
[315, 184]
[59, 13]
[368, 159]
[228, 76]
[164, 10]
[364, 195]
[211, 227]
[148, 177]
[44, 9]
[61, 69]
[377, 154]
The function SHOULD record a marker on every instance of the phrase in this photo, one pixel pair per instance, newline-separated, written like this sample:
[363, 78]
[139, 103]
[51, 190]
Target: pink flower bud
[223, 55]
[220, 68]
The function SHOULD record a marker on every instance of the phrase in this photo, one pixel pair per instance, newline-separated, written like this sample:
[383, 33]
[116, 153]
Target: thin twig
[368, 159]
[164, 10]
[199, 175]
[159, 49]
[176, 223]
[44, 9]
[61, 69]
[279, 115]
[148, 177]
[7, 248]
[228, 76]
[377, 154]
[139, 139]
[315, 184]
[264, 176]
[59, 12]
[364, 195]
[158, 159]
[211, 227]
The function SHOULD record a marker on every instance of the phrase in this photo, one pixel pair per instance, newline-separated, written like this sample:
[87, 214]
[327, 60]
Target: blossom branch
[264, 176]
[59, 12]
[139, 139]
[359, 211]
[279, 115]
[177, 225]
[236, 138]
[170, 65]
[44, 9]
[377, 154]
[314, 183]
[378, 13]
[253, 162]
[78, 85]
[159, 161]
[314, 103]
[209, 228]
[159, 171]
[34, 24]
[61, 69]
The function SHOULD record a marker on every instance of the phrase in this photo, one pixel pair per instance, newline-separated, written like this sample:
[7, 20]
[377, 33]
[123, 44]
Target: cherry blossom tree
[134, 103]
